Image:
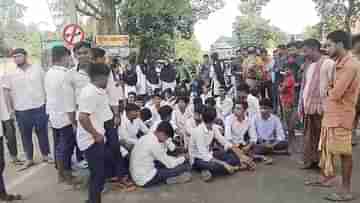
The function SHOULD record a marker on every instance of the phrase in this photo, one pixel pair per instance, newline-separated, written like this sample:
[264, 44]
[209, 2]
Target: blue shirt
[267, 130]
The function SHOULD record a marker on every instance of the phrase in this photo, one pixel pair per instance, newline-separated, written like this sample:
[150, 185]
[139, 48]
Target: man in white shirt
[237, 128]
[64, 136]
[182, 112]
[203, 158]
[4, 116]
[131, 126]
[26, 89]
[149, 163]
[192, 123]
[94, 111]
[10, 131]
[252, 101]
[224, 103]
[269, 132]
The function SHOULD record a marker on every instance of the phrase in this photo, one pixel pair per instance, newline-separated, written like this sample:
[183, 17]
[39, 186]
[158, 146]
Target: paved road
[281, 183]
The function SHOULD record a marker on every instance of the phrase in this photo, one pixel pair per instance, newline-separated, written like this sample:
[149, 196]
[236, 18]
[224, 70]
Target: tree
[255, 30]
[252, 7]
[344, 12]
[189, 50]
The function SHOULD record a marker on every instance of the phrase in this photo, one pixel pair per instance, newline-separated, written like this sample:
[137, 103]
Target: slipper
[339, 197]
[317, 183]
[10, 197]
[26, 166]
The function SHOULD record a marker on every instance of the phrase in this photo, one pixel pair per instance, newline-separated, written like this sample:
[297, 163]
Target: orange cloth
[339, 106]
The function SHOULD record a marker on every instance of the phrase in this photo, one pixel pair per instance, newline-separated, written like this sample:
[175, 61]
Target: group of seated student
[160, 142]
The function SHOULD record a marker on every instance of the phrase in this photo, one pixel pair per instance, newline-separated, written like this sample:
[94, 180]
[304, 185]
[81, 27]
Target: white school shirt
[146, 151]
[253, 106]
[235, 131]
[4, 113]
[180, 118]
[55, 97]
[26, 87]
[128, 130]
[267, 130]
[200, 141]
[77, 80]
[225, 106]
[95, 102]
[141, 81]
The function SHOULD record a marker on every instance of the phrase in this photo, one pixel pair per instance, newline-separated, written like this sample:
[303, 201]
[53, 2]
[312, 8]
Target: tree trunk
[348, 16]
[108, 24]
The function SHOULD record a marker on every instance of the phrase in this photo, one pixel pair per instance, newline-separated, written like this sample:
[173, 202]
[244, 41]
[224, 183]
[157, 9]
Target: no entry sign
[73, 34]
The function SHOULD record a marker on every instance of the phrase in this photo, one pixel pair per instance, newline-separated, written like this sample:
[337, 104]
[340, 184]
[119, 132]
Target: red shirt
[287, 94]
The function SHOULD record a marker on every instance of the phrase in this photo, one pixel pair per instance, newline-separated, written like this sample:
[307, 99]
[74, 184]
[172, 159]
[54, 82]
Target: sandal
[11, 197]
[340, 197]
[318, 183]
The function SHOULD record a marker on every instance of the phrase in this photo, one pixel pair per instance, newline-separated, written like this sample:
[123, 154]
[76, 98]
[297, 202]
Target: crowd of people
[141, 125]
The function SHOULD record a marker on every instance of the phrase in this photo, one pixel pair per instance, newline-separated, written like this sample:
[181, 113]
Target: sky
[292, 16]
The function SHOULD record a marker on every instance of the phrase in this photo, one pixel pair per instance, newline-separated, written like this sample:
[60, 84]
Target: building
[224, 47]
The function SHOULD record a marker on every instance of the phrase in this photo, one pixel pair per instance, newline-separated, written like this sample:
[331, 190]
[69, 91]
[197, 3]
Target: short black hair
[58, 52]
[266, 103]
[209, 114]
[96, 70]
[80, 45]
[98, 52]
[169, 91]
[312, 43]
[132, 93]
[165, 112]
[183, 98]
[199, 108]
[19, 51]
[197, 100]
[281, 46]
[145, 114]
[166, 128]
[355, 39]
[299, 44]
[210, 101]
[215, 56]
[244, 87]
[340, 36]
[291, 44]
[205, 56]
[131, 107]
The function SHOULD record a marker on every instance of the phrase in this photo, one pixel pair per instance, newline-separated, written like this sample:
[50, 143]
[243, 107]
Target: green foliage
[252, 7]
[342, 13]
[255, 30]
[189, 50]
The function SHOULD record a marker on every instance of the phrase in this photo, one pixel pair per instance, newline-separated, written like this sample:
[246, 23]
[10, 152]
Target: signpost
[73, 34]
[115, 45]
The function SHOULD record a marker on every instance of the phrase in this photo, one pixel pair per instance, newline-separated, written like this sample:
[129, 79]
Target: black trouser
[2, 167]
[11, 141]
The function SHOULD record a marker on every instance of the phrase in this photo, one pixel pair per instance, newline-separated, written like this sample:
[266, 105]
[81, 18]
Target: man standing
[339, 114]
[316, 80]
[94, 111]
[26, 88]
[64, 135]
[356, 53]
[204, 71]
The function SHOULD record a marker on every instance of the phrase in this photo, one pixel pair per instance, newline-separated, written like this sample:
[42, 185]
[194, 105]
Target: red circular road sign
[73, 34]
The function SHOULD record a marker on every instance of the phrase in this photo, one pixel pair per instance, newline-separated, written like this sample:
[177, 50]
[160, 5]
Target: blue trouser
[163, 173]
[27, 121]
[217, 169]
[2, 167]
[64, 144]
[95, 156]
[116, 164]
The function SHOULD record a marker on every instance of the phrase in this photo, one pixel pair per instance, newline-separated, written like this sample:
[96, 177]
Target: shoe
[48, 159]
[10, 197]
[206, 175]
[183, 178]
[83, 164]
[16, 161]
[28, 164]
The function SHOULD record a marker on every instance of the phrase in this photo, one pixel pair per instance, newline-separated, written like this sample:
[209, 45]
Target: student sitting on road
[203, 157]
[131, 126]
[269, 131]
[149, 163]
